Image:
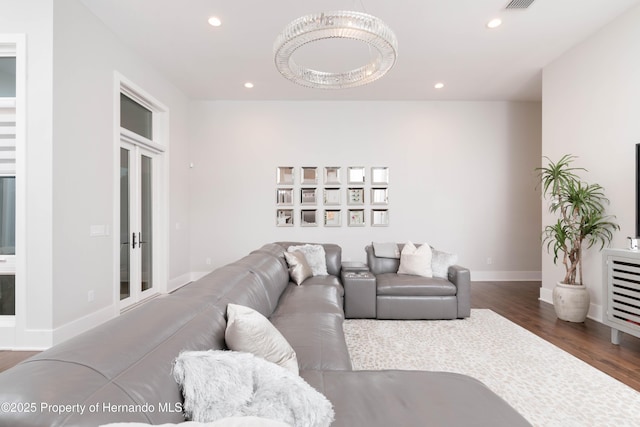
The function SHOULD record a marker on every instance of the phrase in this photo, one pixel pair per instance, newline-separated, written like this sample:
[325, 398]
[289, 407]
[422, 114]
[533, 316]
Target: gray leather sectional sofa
[121, 370]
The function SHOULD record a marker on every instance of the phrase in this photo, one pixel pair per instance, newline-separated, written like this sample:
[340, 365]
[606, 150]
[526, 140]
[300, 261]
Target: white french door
[138, 196]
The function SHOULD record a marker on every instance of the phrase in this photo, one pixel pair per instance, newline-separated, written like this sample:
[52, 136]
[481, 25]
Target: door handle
[133, 237]
[140, 242]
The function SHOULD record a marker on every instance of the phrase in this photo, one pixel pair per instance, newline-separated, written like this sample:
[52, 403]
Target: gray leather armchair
[403, 296]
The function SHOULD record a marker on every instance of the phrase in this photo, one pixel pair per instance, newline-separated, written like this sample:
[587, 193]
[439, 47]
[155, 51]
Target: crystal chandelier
[336, 25]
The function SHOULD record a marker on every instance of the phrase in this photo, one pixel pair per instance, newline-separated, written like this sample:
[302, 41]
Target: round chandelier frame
[335, 25]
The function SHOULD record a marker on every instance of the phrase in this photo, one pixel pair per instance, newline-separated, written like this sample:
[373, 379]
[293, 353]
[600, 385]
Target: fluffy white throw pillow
[247, 330]
[416, 261]
[316, 257]
[218, 384]
[440, 263]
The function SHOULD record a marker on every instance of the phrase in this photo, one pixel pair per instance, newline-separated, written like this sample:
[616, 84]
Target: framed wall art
[379, 175]
[284, 217]
[284, 175]
[308, 196]
[309, 175]
[332, 218]
[331, 196]
[379, 196]
[356, 218]
[332, 175]
[379, 217]
[355, 175]
[308, 217]
[355, 196]
[327, 196]
[284, 196]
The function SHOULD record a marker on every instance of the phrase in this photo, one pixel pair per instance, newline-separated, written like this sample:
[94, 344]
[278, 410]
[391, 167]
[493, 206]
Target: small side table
[359, 292]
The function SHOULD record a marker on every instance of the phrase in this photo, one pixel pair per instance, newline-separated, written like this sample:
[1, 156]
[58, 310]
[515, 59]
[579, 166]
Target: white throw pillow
[217, 384]
[416, 261]
[299, 269]
[440, 263]
[316, 258]
[247, 330]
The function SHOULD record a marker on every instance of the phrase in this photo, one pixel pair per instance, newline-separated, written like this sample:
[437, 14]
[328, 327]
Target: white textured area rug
[548, 386]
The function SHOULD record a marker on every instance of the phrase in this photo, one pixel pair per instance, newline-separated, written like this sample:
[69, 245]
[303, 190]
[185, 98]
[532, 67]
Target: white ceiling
[438, 40]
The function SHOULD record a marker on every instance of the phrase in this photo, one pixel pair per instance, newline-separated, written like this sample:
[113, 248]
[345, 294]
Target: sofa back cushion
[272, 275]
[272, 272]
[379, 265]
[232, 283]
[332, 251]
[125, 361]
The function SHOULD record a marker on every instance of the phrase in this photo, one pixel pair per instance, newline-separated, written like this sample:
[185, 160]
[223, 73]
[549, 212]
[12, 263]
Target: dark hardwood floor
[589, 341]
[10, 358]
[518, 302]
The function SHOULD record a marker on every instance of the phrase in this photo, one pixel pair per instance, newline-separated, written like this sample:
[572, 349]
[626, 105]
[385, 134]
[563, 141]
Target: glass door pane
[146, 222]
[8, 76]
[7, 295]
[125, 228]
[7, 215]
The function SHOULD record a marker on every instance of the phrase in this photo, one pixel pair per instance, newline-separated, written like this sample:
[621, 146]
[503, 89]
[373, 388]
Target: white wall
[34, 19]
[86, 57]
[591, 108]
[461, 176]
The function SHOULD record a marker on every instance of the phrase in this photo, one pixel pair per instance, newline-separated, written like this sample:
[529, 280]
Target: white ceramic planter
[571, 302]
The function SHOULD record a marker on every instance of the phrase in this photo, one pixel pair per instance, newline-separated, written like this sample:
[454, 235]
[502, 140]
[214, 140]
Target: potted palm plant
[580, 223]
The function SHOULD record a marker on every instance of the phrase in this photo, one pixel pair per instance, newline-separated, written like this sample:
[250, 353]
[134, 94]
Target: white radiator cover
[621, 271]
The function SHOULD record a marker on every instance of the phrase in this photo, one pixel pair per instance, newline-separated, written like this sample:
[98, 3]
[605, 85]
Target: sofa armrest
[461, 277]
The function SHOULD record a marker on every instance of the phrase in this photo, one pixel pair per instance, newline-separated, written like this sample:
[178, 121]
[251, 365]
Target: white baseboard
[504, 276]
[195, 275]
[41, 339]
[30, 340]
[185, 279]
[82, 324]
[178, 282]
[546, 295]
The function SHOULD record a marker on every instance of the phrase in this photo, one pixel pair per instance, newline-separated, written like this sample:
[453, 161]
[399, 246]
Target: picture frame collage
[322, 196]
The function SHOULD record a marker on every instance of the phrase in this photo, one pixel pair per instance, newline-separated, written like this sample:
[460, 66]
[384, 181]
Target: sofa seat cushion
[317, 338]
[310, 299]
[412, 399]
[409, 285]
[331, 281]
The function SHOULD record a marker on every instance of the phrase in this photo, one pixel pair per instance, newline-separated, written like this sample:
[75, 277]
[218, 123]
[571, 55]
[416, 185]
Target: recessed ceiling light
[494, 23]
[439, 85]
[248, 85]
[214, 21]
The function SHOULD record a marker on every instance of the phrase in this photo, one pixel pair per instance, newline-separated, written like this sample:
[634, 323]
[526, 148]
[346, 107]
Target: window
[7, 215]
[7, 180]
[136, 117]
[7, 76]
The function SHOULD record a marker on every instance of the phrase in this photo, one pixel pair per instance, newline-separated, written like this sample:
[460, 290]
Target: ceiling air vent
[519, 4]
